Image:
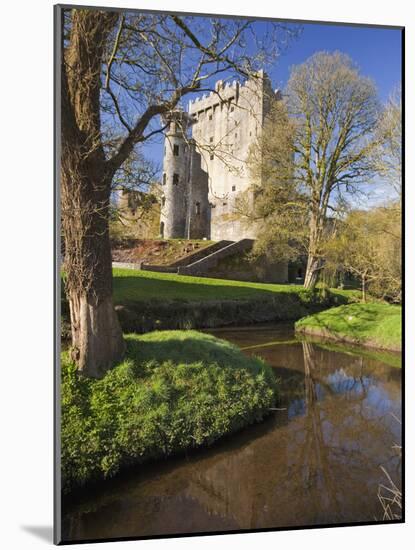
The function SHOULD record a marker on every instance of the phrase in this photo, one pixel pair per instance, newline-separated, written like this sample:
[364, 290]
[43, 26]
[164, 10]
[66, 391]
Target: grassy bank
[175, 390]
[375, 325]
[132, 286]
[147, 301]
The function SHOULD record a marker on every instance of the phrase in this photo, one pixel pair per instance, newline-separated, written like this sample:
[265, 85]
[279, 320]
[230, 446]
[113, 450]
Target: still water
[315, 460]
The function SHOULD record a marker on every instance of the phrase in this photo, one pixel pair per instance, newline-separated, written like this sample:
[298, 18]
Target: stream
[316, 460]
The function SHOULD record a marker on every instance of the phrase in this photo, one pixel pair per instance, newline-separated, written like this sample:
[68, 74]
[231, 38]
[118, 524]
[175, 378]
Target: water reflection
[315, 461]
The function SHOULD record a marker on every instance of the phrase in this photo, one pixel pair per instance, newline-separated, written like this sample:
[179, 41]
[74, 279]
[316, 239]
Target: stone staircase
[198, 262]
[200, 266]
[189, 259]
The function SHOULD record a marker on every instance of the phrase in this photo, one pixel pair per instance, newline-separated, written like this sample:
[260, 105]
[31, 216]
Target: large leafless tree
[120, 73]
[321, 142]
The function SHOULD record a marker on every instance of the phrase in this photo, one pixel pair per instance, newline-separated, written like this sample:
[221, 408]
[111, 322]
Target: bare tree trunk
[97, 341]
[364, 288]
[313, 260]
[312, 270]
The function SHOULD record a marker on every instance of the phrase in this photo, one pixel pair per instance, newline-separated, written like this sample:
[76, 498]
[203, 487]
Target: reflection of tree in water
[345, 433]
[314, 453]
[318, 461]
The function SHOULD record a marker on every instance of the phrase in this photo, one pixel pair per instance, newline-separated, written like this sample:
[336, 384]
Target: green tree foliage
[280, 208]
[368, 245]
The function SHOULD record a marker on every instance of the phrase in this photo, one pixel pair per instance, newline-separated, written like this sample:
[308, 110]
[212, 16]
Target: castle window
[224, 203]
[212, 156]
[236, 135]
[233, 187]
[210, 117]
[211, 139]
[164, 179]
[163, 201]
[197, 208]
[175, 179]
[176, 150]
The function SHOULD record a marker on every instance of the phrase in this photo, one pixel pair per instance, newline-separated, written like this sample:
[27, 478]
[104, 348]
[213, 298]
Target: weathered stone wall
[240, 268]
[225, 124]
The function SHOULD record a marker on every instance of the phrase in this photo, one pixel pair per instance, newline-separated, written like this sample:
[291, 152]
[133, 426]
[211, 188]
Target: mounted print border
[228, 274]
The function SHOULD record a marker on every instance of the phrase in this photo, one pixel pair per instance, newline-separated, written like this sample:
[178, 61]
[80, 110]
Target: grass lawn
[137, 286]
[376, 325]
[175, 390]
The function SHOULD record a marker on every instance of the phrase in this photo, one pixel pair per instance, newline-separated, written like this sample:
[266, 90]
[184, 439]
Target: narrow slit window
[176, 150]
[164, 179]
[175, 179]
[197, 208]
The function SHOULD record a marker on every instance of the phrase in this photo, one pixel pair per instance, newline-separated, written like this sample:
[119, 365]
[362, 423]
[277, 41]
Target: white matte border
[26, 306]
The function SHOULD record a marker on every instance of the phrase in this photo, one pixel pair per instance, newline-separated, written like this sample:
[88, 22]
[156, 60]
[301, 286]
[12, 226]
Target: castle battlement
[223, 93]
[226, 91]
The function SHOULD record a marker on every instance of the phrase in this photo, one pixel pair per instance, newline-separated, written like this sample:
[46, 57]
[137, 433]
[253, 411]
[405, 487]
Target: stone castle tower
[205, 174]
[185, 210]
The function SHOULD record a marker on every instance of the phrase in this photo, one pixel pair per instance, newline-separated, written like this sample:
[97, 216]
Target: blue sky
[376, 51]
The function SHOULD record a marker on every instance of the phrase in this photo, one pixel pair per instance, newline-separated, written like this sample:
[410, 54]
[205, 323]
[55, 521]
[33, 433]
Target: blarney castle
[205, 154]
